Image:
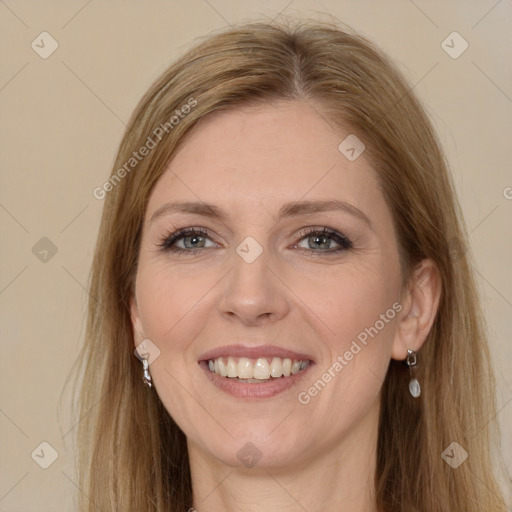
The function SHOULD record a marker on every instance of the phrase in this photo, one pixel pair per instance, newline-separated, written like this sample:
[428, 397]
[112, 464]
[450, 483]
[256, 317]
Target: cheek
[166, 299]
[350, 303]
[357, 330]
[169, 304]
[357, 318]
[175, 304]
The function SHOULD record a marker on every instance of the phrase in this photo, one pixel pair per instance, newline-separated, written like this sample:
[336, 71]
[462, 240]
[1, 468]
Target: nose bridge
[252, 289]
[250, 268]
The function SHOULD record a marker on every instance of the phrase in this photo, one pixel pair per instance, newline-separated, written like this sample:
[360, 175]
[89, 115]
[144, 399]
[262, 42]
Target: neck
[339, 478]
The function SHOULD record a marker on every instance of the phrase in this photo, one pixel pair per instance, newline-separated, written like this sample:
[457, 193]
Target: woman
[277, 245]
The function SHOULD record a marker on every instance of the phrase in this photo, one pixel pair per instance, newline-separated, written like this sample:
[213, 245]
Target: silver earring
[414, 385]
[146, 376]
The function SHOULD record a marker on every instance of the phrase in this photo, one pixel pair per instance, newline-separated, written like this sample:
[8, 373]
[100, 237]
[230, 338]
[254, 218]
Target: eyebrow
[286, 211]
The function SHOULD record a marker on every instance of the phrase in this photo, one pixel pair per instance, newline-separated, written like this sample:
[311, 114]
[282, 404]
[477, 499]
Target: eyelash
[166, 243]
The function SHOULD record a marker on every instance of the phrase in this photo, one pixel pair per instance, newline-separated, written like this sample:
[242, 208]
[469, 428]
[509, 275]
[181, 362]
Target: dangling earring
[414, 385]
[146, 376]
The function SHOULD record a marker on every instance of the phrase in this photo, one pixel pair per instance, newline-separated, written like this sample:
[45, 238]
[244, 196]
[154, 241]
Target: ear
[138, 332]
[420, 301]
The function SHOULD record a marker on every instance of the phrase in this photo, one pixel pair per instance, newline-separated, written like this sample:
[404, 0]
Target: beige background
[62, 120]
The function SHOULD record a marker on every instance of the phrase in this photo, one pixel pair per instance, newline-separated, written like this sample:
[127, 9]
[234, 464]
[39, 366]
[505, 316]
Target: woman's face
[260, 284]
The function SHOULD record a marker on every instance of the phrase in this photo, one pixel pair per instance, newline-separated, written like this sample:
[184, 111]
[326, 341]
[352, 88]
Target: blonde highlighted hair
[131, 454]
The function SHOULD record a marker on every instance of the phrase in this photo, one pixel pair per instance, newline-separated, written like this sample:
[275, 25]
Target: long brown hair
[131, 454]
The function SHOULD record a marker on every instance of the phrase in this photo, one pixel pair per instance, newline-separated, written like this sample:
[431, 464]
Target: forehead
[277, 152]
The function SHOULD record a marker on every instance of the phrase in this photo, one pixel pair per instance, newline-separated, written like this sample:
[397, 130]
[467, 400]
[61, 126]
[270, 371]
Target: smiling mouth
[257, 370]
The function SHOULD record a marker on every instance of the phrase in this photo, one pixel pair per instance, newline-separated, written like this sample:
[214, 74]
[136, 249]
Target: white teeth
[276, 367]
[232, 367]
[287, 367]
[222, 368]
[245, 369]
[262, 369]
[254, 371]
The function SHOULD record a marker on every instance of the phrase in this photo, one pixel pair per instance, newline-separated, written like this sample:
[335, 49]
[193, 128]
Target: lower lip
[266, 389]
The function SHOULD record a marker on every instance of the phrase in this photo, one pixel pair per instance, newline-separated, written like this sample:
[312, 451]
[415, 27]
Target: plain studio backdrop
[71, 75]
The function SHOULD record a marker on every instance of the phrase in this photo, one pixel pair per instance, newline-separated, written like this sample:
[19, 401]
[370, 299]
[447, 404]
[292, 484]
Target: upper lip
[253, 352]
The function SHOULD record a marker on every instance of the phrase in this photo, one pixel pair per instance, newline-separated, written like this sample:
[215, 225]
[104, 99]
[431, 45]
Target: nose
[254, 293]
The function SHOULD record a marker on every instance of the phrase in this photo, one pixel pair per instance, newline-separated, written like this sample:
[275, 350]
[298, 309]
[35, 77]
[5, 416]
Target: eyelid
[166, 242]
[341, 239]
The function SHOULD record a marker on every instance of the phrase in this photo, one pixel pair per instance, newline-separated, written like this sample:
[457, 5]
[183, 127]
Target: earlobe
[420, 304]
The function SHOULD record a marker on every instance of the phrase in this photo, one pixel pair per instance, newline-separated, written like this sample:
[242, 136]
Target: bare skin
[319, 455]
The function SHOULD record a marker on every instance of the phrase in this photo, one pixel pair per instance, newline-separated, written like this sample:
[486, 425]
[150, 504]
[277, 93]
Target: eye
[322, 238]
[193, 240]
[190, 239]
